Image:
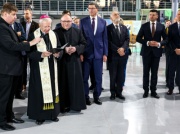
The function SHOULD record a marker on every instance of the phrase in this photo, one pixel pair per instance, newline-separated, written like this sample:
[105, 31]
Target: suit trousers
[174, 67]
[117, 77]
[150, 63]
[96, 65]
[6, 97]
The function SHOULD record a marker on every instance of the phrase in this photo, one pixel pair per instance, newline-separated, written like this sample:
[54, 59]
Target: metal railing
[57, 6]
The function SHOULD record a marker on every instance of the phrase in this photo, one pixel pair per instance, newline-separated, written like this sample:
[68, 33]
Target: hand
[35, 41]
[56, 55]
[104, 58]
[69, 50]
[153, 44]
[177, 51]
[72, 49]
[121, 51]
[19, 33]
[45, 54]
[81, 58]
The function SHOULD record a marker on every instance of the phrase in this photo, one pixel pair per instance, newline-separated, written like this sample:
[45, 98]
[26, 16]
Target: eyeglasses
[92, 8]
[115, 14]
[68, 21]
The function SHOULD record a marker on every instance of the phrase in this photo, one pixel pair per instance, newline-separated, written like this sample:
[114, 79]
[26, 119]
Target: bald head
[66, 21]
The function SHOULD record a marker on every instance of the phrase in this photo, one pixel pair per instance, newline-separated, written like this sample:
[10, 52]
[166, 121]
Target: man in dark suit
[29, 26]
[96, 51]
[18, 28]
[167, 53]
[118, 42]
[11, 64]
[150, 35]
[174, 61]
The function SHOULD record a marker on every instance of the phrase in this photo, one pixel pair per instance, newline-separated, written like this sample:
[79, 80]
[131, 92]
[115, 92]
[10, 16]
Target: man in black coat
[72, 96]
[150, 35]
[118, 42]
[174, 61]
[11, 64]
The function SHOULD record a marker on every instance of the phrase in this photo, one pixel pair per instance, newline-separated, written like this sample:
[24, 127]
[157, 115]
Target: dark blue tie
[117, 31]
[93, 24]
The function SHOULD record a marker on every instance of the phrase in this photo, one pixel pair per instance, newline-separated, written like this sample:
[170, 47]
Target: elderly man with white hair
[43, 95]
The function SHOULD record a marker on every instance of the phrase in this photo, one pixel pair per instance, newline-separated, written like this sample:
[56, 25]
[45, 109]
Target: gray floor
[133, 116]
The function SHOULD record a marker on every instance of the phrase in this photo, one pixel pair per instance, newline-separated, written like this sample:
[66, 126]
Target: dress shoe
[98, 101]
[145, 95]
[55, 119]
[7, 127]
[170, 91]
[155, 96]
[19, 97]
[15, 120]
[91, 87]
[40, 122]
[120, 97]
[112, 97]
[88, 102]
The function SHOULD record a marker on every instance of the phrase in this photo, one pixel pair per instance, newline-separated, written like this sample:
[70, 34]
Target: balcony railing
[60, 5]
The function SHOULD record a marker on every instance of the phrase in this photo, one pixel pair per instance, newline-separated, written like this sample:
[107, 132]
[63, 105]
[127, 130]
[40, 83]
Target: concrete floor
[133, 116]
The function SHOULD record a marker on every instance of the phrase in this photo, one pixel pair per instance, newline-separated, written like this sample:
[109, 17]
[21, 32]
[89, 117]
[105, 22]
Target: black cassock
[35, 96]
[70, 71]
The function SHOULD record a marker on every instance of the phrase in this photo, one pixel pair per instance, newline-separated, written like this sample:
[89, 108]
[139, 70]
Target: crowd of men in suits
[81, 50]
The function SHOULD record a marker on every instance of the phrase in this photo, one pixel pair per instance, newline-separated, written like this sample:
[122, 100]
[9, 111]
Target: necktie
[11, 27]
[153, 29]
[93, 24]
[179, 28]
[167, 30]
[117, 30]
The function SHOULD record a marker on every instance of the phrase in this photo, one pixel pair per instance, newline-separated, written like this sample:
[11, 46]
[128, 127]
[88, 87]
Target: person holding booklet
[70, 72]
[43, 95]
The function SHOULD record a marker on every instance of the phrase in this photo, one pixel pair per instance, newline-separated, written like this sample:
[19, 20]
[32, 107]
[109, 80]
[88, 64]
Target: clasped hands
[47, 54]
[121, 51]
[153, 43]
[177, 51]
[69, 50]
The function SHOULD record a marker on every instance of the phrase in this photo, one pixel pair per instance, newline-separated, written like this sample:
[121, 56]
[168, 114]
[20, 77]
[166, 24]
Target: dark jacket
[145, 35]
[10, 50]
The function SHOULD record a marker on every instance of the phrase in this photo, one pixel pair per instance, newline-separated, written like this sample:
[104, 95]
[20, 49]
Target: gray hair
[45, 20]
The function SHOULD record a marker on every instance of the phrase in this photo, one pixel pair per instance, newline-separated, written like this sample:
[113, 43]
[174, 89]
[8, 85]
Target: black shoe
[155, 95]
[91, 87]
[145, 95]
[102, 88]
[120, 97]
[98, 101]
[40, 122]
[170, 91]
[15, 120]
[112, 97]
[88, 102]
[7, 127]
[55, 119]
[19, 97]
